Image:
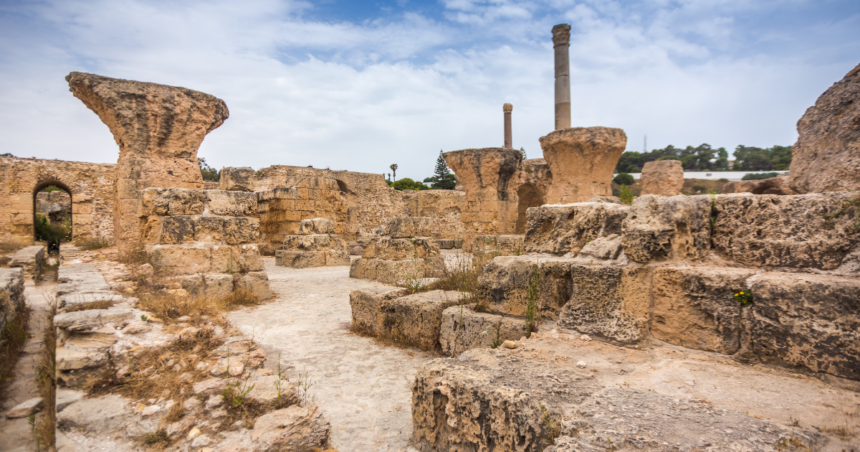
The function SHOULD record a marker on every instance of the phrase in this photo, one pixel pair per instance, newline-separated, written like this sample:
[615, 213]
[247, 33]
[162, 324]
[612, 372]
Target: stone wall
[91, 186]
[207, 239]
[678, 270]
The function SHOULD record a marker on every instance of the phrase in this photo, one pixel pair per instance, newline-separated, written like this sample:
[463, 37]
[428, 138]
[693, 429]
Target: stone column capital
[561, 35]
[507, 108]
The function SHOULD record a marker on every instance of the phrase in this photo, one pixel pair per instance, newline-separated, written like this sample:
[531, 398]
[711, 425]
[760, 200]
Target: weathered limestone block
[366, 305]
[667, 228]
[169, 202]
[316, 226]
[407, 227]
[779, 185]
[395, 272]
[29, 259]
[400, 249]
[313, 242]
[11, 294]
[236, 179]
[158, 129]
[184, 259]
[256, 282]
[694, 307]
[240, 230]
[217, 285]
[236, 259]
[464, 329]
[662, 177]
[231, 203]
[785, 231]
[488, 178]
[582, 160]
[91, 319]
[209, 229]
[500, 245]
[568, 228]
[299, 259]
[410, 319]
[504, 283]
[807, 321]
[608, 302]
[298, 428]
[826, 156]
[603, 247]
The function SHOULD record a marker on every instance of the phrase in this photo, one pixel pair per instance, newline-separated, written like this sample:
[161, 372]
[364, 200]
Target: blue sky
[361, 85]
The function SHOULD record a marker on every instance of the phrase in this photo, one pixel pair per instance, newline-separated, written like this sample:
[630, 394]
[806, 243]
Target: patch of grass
[46, 425]
[102, 304]
[12, 339]
[239, 298]
[626, 195]
[92, 243]
[133, 254]
[552, 427]
[10, 245]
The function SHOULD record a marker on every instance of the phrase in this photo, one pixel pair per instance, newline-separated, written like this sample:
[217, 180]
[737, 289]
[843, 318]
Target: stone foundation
[207, 239]
[412, 320]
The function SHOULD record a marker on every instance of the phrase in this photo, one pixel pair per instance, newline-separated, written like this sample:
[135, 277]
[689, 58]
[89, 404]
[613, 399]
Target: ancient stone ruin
[526, 310]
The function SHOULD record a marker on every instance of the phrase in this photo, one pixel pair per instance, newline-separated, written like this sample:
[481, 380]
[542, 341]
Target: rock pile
[316, 245]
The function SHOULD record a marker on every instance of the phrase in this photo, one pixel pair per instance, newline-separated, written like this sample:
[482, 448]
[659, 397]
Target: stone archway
[57, 210]
[529, 196]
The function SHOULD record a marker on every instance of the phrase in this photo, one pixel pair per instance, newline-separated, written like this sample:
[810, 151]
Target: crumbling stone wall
[158, 129]
[205, 238]
[91, 186]
[281, 210]
[671, 268]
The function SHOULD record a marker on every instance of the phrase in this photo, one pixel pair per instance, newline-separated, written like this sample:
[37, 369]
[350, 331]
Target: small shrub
[237, 299]
[759, 176]
[626, 195]
[723, 180]
[50, 233]
[532, 315]
[699, 188]
[10, 245]
[624, 179]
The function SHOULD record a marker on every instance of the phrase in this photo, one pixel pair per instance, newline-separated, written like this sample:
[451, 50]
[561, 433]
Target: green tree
[524, 153]
[623, 179]
[394, 170]
[442, 177]
[409, 184]
[208, 172]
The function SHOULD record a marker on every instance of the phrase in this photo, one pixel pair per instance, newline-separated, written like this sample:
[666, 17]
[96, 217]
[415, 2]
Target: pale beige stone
[582, 160]
[662, 177]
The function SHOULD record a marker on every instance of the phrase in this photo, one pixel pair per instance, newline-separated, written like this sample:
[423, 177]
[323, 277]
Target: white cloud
[361, 96]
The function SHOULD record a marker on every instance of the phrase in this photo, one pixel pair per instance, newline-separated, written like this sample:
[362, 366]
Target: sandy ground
[363, 388]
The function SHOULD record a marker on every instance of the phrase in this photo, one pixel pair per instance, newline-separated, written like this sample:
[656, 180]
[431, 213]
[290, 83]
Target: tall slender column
[509, 142]
[561, 44]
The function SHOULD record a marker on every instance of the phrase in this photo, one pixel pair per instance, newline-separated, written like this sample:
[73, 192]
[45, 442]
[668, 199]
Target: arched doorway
[529, 196]
[52, 214]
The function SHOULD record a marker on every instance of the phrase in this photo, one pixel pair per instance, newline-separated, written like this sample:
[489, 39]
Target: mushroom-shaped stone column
[158, 129]
[582, 160]
[488, 178]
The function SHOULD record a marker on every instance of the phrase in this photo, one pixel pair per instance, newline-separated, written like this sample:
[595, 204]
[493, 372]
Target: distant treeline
[706, 158]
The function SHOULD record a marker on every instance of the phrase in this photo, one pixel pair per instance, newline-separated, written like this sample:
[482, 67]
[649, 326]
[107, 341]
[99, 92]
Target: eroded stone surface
[826, 156]
[661, 228]
[504, 282]
[662, 177]
[582, 160]
[568, 228]
[464, 329]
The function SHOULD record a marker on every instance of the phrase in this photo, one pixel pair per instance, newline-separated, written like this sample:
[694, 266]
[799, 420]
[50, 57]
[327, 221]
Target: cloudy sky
[361, 85]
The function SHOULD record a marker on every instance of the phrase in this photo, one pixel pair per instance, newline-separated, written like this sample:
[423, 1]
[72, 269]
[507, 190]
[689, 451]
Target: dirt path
[363, 388]
[16, 434]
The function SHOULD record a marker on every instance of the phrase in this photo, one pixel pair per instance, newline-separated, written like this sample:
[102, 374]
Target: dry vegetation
[12, 339]
[10, 245]
[92, 243]
[103, 304]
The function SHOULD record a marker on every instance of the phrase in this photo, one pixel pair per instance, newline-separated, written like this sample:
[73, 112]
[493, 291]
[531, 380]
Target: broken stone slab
[237, 179]
[464, 329]
[366, 306]
[667, 228]
[826, 157]
[92, 318]
[91, 342]
[582, 160]
[69, 359]
[607, 248]
[316, 226]
[29, 258]
[25, 408]
[694, 307]
[73, 298]
[294, 428]
[563, 229]
[12, 283]
[415, 319]
[104, 414]
[66, 397]
[608, 302]
[800, 231]
[393, 272]
[662, 177]
[807, 321]
[504, 284]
